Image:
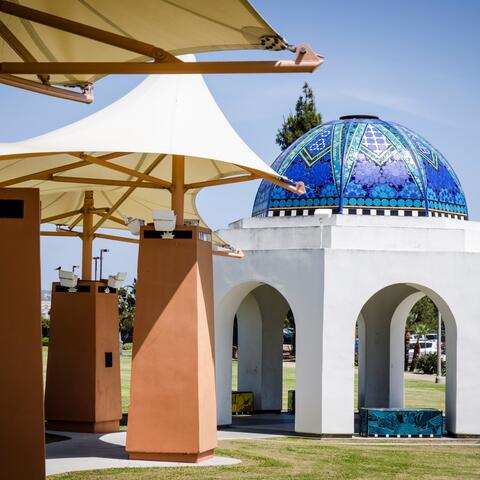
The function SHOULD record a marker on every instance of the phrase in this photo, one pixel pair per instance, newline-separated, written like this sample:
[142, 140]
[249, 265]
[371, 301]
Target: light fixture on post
[102, 251]
[164, 221]
[134, 224]
[74, 267]
[96, 259]
[68, 280]
[116, 281]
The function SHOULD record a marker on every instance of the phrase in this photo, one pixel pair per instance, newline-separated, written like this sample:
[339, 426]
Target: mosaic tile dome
[363, 165]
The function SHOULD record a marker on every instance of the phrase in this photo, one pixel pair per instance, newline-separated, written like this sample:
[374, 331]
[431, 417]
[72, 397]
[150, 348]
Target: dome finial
[363, 116]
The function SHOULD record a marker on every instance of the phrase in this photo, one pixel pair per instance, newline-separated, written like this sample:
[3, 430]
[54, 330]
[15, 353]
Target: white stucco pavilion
[333, 270]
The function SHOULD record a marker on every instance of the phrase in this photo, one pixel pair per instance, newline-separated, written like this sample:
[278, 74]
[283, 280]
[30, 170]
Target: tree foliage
[304, 119]
[126, 310]
[424, 312]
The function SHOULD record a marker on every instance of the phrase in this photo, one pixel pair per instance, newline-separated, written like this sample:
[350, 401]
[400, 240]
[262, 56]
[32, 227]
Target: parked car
[287, 336]
[425, 347]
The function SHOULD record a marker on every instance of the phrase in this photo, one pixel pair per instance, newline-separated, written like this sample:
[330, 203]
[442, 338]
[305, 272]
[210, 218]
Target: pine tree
[304, 119]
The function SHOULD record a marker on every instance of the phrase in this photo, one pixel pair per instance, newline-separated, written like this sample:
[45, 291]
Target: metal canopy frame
[177, 187]
[162, 62]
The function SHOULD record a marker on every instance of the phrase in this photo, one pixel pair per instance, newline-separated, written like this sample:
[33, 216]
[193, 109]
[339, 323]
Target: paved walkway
[89, 451]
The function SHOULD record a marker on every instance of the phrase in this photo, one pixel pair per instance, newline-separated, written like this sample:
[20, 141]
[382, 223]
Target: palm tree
[420, 330]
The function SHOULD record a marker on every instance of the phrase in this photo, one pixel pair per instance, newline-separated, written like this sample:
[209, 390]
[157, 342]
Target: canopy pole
[178, 187]
[87, 236]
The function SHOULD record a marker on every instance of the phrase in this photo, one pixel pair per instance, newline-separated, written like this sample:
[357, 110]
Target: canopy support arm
[44, 174]
[76, 221]
[229, 254]
[112, 218]
[119, 168]
[221, 181]
[85, 96]
[294, 187]
[306, 61]
[124, 197]
[61, 233]
[61, 215]
[116, 238]
[17, 46]
[100, 181]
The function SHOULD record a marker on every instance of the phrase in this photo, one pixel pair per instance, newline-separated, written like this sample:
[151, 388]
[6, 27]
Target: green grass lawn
[418, 393]
[312, 459]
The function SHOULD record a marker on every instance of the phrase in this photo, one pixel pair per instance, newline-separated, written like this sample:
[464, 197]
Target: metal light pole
[438, 378]
[102, 251]
[96, 259]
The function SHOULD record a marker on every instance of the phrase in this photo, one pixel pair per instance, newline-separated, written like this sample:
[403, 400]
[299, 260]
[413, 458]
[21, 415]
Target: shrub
[45, 341]
[427, 364]
[127, 346]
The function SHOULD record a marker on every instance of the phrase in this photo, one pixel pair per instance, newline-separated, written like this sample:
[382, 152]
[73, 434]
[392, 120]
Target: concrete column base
[172, 457]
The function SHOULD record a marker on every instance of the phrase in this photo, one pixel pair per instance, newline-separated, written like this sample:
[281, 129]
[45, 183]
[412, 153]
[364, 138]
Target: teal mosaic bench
[401, 422]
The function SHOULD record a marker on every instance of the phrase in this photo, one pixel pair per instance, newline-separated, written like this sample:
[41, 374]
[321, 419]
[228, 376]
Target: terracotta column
[83, 374]
[22, 437]
[178, 187]
[172, 413]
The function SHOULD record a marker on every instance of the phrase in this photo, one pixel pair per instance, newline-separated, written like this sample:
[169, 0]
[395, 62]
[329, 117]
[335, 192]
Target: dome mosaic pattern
[364, 165]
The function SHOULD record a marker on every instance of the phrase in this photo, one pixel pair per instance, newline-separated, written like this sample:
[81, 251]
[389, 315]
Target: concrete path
[88, 451]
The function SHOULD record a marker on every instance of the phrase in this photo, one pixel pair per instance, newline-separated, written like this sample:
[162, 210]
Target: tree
[126, 309]
[424, 311]
[420, 330]
[303, 120]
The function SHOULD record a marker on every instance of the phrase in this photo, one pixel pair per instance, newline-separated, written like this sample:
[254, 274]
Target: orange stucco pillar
[172, 415]
[83, 373]
[22, 436]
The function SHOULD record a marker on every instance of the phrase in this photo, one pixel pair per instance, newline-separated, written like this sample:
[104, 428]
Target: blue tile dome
[360, 164]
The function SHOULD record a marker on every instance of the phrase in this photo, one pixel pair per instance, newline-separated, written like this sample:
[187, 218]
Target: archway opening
[400, 332]
[263, 352]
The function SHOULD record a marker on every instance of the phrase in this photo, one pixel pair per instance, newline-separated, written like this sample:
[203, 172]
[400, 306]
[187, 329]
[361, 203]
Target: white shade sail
[176, 26]
[133, 140]
[46, 45]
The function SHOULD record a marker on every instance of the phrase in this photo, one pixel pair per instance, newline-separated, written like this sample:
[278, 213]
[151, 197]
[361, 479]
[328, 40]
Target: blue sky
[413, 62]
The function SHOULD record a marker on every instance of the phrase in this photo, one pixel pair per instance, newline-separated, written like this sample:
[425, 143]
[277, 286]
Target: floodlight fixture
[68, 280]
[192, 222]
[164, 220]
[116, 281]
[134, 224]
